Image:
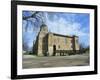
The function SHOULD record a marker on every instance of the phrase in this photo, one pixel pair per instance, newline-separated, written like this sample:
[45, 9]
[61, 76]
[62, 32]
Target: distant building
[47, 43]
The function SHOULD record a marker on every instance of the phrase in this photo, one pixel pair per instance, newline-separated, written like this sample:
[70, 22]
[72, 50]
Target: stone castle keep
[51, 44]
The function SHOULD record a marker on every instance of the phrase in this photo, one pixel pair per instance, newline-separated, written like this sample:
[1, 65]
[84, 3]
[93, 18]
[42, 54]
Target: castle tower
[75, 43]
[42, 40]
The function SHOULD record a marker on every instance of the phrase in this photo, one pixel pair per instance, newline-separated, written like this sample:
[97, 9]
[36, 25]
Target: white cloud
[63, 24]
[67, 27]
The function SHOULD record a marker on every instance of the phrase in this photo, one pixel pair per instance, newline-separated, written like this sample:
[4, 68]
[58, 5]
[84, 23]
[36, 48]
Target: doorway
[54, 50]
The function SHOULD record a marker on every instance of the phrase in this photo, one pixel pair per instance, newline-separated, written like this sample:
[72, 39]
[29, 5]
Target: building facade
[51, 44]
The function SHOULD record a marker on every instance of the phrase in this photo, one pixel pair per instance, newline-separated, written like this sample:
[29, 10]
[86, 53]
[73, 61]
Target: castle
[51, 44]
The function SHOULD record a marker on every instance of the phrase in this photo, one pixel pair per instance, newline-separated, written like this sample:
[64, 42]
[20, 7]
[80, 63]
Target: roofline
[63, 35]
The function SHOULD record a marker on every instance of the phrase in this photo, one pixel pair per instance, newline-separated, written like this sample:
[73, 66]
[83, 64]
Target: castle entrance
[54, 50]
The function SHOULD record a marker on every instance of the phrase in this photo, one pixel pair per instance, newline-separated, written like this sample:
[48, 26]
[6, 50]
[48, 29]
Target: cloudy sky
[60, 23]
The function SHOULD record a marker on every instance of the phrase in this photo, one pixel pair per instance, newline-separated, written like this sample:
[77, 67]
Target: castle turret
[42, 40]
[75, 43]
[44, 28]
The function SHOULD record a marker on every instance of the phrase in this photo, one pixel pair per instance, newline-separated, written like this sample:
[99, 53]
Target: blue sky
[60, 23]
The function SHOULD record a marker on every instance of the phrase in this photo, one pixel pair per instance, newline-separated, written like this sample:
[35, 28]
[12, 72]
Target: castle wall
[76, 43]
[42, 41]
[60, 42]
[48, 43]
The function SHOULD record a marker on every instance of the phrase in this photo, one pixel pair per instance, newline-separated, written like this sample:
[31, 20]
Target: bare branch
[32, 16]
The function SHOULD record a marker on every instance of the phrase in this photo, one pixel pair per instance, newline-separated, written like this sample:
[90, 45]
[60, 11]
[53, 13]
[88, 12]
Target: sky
[58, 22]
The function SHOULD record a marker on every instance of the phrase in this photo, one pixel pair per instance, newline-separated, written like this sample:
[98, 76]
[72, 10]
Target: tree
[25, 46]
[35, 18]
[81, 46]
[84, 48]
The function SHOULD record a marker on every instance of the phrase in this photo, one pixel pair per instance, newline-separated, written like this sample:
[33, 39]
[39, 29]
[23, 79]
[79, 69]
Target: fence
[67, 52]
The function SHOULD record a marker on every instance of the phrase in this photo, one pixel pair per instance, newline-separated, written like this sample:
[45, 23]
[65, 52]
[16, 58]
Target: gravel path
[30, 61]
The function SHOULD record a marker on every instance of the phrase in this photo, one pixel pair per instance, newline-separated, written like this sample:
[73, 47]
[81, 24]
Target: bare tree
[81, 46]
[36, 18]
[25, 46]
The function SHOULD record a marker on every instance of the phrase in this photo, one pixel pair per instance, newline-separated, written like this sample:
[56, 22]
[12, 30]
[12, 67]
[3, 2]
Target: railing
[67, 52]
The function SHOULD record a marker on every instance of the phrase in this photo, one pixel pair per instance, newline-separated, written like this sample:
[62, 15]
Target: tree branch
[32, 16]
